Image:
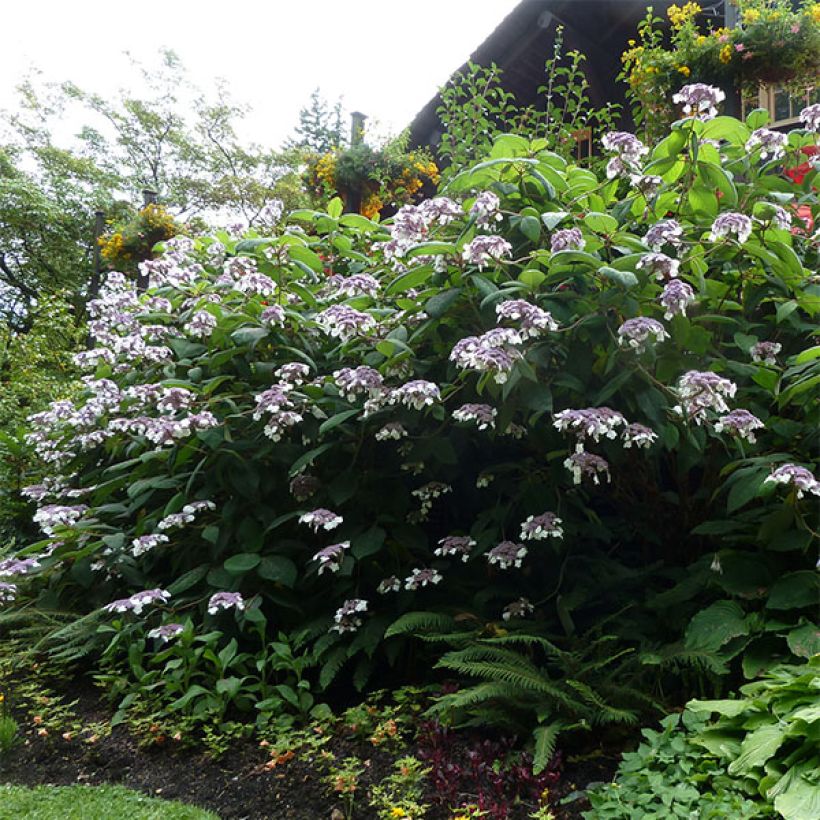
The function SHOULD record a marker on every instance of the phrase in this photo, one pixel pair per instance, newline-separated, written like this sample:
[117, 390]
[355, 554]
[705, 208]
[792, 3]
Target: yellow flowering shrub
[129, 244]
[775, 43]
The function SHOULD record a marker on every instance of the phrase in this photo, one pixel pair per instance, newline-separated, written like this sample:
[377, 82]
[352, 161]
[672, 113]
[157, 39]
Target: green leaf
[601, 223]
[800, 800]
[431, 249]
[552, 219]
[757, 748]
[306, 256]
[727, 708]
[359, 222]
[625, 278]
[530, 227]
[188, 580]
[439, 304]
[242, 563]
[250, 335]
[531, 277]
[339, 418]
[335, 207]
[410, 279]
[757, 118]
[309, 457]
[368, 543]
[278, 568]
[726, 128]
[745, 489]
[804, 641]
[795, 590]
[714, 626]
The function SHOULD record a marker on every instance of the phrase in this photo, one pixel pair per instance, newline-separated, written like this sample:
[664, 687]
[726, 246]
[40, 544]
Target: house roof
[524, 39]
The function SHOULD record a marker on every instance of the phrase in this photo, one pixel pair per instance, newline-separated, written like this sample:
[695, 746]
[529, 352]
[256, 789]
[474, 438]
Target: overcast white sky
[386, 58]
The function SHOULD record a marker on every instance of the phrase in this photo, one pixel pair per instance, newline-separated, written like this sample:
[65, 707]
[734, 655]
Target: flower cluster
[416, 394]
[507, 554]
[628, 150]
[485, 209]
[347, 617]
[676, 297]
[662, 266]
[186, 515]
[591, 422]
[482, 414]
[731, 223]
[344, 323]
[801, 478]
[587, 465]
[8, 592]
[484, 249]
[330, 558]
[540, 527]
[532, 320]
[810, 117]
[703, 391]
[771, 143]
[493, 352]
[11, 567]
[699, 100]
[166, 632]
[353, 381]
[665, 232]
[740, 423]
[765, 352]
[456, 545]
[517, 609]
[422, 577]
[145, 543]
[567, 239]
[225, 600]
[321, 519]
[641, 331]
[138, 601]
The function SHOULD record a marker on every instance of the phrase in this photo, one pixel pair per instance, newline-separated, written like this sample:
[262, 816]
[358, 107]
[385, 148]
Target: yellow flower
[751, 16]
[397, 812]
[371, 205]
[726, 54]
[814, 13]
[685, 70]
[679, 16]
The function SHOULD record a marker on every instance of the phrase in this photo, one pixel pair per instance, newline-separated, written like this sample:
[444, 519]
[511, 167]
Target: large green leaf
[714, 626]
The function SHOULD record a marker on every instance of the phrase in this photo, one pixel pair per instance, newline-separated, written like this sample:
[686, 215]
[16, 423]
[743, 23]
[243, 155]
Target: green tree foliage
[168, 136]
[321, 126]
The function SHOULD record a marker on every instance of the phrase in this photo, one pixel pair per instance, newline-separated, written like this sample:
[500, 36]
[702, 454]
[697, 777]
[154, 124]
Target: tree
[187, 152]
[321, 126]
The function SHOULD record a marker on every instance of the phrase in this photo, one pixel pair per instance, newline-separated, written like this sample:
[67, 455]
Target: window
[783, 108]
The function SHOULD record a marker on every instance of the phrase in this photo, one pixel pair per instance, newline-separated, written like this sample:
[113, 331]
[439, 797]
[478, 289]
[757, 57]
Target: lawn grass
[90, 803]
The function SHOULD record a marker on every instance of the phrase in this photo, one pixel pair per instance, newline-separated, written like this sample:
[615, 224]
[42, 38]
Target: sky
[385, 58]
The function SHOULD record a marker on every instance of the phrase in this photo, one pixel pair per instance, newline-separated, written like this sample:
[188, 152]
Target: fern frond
[545, 740]
[412, 622]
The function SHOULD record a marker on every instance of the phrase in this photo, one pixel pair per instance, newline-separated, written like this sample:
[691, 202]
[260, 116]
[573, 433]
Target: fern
[546, 738]
[412, 622]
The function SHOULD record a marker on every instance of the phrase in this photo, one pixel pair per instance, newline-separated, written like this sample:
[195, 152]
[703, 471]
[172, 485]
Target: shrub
[560, 401]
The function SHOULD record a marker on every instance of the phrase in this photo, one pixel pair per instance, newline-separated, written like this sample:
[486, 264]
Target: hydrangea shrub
[526, 402]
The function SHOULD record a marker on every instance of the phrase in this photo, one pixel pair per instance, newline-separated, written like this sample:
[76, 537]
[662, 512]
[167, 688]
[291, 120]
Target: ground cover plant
[82, 802]
[556, 424]
[758, 758]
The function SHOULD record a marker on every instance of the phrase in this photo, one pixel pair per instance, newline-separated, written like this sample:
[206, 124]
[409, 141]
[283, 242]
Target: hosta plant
[540, 400]
[758, 758]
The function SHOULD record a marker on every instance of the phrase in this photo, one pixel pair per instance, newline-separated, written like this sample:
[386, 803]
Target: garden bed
[244, 782]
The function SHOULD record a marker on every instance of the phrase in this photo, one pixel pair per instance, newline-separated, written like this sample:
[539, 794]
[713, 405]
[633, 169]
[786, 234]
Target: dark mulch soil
[236, 786]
